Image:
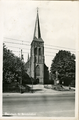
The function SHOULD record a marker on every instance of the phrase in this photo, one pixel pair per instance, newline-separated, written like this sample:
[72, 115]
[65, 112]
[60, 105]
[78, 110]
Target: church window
[39, 51]
[40, 60]
[35, 59]
[35, 51]
[37, 70]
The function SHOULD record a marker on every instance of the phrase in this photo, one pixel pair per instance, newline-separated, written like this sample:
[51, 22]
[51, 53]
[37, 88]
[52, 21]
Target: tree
[13, 69]
[64, 64]
[11, 64]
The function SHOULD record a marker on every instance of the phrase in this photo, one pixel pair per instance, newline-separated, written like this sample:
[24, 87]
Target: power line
[44, 55]
[18, 51]
[50, 55]
[59, 47]
[18, 47]
[16, 43]
[44, 47]
[49, 52]
[29, 49]
[23, 44]
[27, 52]
[45, 44]
[17, 40]
[25, 48]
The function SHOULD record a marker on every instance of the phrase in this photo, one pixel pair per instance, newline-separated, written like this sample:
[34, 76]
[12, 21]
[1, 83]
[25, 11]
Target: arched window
[35, 59]
[37, 70]
[39, 51]
[35, 51]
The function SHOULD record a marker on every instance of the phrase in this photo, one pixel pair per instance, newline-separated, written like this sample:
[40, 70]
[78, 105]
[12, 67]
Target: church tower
[37, 54]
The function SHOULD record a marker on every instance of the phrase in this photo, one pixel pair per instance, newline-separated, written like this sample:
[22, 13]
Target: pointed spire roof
[37, 32]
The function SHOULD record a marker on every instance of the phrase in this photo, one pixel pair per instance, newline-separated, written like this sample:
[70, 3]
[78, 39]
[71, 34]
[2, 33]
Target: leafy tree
[64, 64]
[13, 69]
[11, 65]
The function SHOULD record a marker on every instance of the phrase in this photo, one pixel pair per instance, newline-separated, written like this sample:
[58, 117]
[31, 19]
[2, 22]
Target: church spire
[37, 33]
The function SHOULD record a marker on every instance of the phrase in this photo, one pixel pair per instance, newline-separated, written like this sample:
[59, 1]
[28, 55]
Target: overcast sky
[58, 23]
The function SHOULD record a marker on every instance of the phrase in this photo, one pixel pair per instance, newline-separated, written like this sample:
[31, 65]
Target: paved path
[40, 90]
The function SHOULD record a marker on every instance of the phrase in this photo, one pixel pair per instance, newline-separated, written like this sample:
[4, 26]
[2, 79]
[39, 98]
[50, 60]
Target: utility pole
[21, 73]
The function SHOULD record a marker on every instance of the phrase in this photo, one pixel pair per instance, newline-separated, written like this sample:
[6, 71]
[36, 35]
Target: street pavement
[42, 103]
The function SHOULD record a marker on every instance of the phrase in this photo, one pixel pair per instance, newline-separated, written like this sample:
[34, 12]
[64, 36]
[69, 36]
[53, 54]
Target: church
[35, 65]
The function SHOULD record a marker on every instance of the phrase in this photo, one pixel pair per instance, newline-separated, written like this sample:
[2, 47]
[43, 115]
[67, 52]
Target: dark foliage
[64, 63]
[13, 71]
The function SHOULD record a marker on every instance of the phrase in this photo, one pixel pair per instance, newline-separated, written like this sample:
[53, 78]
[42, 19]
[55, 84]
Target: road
[39, 106]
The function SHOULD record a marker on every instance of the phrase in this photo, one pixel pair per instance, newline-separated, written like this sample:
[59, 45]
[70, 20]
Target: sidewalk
[39, 90]
[37, 94]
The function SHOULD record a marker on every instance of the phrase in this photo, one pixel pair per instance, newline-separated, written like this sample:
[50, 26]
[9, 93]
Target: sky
[58, 24]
